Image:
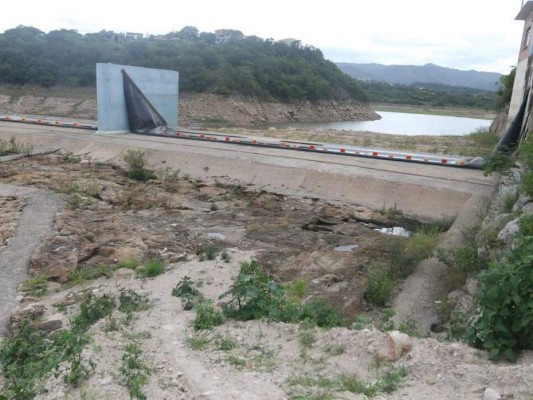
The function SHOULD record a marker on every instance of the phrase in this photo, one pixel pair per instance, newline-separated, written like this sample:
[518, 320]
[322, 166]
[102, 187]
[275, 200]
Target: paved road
[34, 223]
[423, 190]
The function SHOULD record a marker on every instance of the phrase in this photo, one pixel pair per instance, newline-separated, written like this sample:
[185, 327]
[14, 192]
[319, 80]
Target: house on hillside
[522, 97]
[227, 35]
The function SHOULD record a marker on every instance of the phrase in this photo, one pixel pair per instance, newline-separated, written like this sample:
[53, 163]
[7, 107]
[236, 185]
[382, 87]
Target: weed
[130, 301]
[199, 342]
[190, 295]
[169, 178]
[136, 160]
[70, 157]
[68, 187]
[361, 322]
[92, 309]
[225, 343]
[135, 336]
[36, 286]
[509, 201]
[386, 323]
[93, 190]
[224, 256]
[131, 263]
[335, 349]
[84, 274]
[379, 285]
[499, 162]
[254, 295]
[526, 225]
[207, 316]
[207, 252]
[297, 288]
[503, 324]
[527, 183]
[13, 146]
[525, 152]
[153, 268]
[409, 326]
[386, 382]
[306, 336]
[29, 356]
[134, 371]
[462, 263]
[484, 137]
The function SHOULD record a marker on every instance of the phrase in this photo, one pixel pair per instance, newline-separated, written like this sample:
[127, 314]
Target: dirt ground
[111, 218]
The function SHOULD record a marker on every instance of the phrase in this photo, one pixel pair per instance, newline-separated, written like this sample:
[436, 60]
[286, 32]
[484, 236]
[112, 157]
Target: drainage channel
[336, 149]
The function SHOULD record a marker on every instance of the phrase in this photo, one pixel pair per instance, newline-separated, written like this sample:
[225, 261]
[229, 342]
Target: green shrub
[92, 309]
[462, 263]
[207, 316]
[525, 152]
[153, 268]
[504, 324]
[499, 162]
[321, 313]
[207, 252]
[189, 294]
[527, 183]
[134, 371]
[379, 285]
[131, 301]
[36, 286]
[131, 263]
[297, 288]
[253, 295]
[136, 160]
[526, 225]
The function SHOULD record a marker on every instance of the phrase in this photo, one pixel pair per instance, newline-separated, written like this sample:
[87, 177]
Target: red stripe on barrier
[254, 141]
[342, 150]
[227, 139]
[375, 154]
[408, 157]
[312, 147]
[444, 161]
[391, 156]
[426, 160]
[202, 136]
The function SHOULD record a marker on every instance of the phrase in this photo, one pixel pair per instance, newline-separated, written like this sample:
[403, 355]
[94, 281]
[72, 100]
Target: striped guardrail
[48, 122]
[345, 150]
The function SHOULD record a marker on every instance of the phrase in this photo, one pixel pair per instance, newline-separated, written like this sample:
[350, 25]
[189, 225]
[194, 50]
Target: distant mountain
[429, 73]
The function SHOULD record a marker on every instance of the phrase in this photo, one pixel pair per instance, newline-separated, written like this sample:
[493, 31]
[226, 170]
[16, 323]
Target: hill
[231, 65]
[429, 73]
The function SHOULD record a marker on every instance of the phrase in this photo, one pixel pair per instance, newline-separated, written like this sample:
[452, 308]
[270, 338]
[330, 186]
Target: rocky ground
[194, 109]
[110, 219]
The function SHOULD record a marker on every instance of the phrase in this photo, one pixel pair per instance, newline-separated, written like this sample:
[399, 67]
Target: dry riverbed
[111, 220]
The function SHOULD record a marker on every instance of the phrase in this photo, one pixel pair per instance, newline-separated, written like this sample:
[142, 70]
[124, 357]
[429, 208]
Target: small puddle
[395, 231]
[349, 248]
[216, 235]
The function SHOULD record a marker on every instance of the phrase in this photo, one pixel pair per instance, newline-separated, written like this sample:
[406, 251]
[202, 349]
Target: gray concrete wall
[159, 86]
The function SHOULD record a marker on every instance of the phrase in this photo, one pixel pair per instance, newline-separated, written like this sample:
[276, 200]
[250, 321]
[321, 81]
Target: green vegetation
[429, 94]
[207, 252]
[387, 381]
[250, 66]
[135, 372]
[503, 325]
[152, 268]
[189, 294]
[136, 160]
[207, 316]
[36, 286]
[13, 146]
[505, 89]
[254, 295]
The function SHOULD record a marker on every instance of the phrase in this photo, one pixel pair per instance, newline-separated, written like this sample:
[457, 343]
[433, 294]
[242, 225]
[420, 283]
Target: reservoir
[402, 124]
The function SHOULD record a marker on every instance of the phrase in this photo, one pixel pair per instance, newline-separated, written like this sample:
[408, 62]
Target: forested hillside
[427, 94]
[249, 66]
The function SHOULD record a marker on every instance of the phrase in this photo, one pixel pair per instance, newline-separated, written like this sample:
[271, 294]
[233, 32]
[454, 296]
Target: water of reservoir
[402, 124]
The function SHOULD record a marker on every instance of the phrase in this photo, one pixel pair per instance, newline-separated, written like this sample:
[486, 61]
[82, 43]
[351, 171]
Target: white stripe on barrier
[284, 144]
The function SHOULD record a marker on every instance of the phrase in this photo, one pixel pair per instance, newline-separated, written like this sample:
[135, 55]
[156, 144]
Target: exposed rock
[50, 326]
[396, 345]
[491, 394]
[509, 231]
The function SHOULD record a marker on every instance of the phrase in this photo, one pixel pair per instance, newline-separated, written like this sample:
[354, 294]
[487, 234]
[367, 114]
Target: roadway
[427, 191]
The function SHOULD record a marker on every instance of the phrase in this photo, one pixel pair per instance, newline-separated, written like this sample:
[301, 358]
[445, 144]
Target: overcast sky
[464, 34]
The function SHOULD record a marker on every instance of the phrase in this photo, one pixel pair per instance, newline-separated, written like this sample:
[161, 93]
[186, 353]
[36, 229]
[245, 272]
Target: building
[522, 97]
[227, 35]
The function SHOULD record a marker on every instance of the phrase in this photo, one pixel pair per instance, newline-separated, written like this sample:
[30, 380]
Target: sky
[464, 34]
